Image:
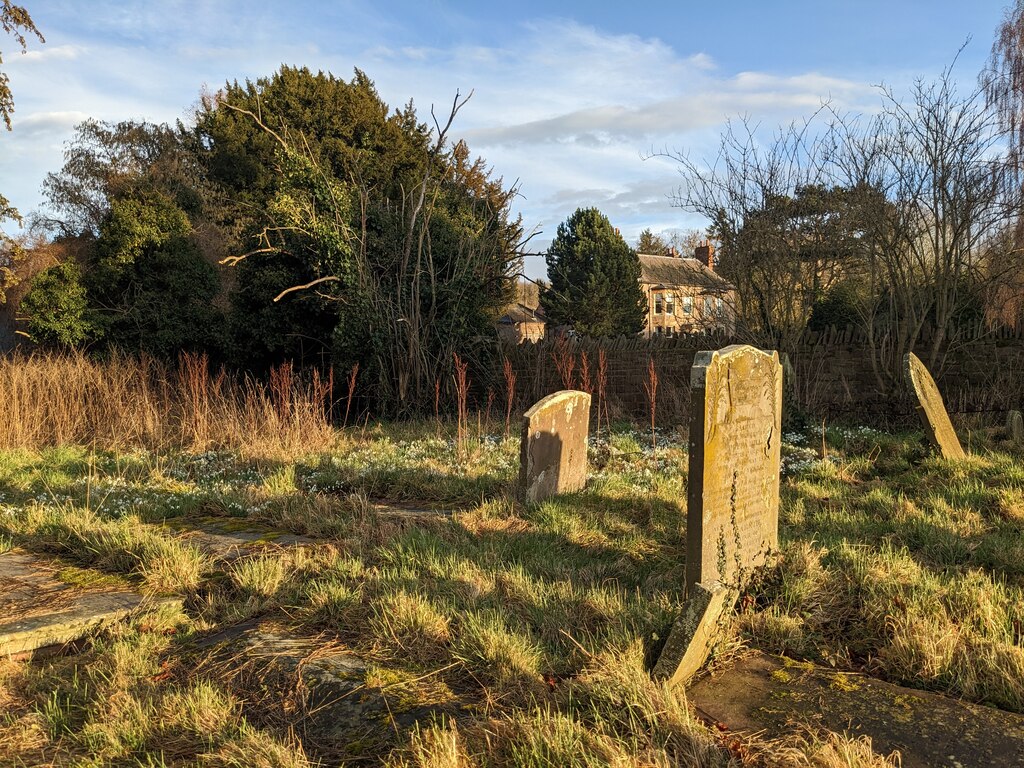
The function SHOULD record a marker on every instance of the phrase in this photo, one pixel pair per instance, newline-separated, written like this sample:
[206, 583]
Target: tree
[906, 211]
[57, 308]
[1003, 79]
[363, 238]
[128, 194]
[651, 243]
[14, 20]
[594, 278]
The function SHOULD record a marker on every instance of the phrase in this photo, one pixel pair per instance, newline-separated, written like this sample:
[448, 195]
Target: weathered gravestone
[732, 518]
[732, 515]
[553, 448]
[1015, 427]
[931, 408]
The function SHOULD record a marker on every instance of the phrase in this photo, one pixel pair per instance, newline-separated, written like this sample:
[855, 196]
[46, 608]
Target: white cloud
[566, 109]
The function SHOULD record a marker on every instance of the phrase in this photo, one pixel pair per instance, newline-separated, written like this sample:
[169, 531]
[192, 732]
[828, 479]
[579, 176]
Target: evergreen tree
[652, 244]
[595, 278]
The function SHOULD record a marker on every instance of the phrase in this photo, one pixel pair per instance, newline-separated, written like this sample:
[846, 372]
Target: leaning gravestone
[932, 409]
[1015, 427]
[553, 448]
[732, 518]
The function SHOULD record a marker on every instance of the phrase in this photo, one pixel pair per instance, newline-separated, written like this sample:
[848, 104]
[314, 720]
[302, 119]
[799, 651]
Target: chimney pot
[705, 252]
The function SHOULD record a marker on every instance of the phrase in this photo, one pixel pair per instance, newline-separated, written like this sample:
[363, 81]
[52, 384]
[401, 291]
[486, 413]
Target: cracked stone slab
[771, 695]
[227, 539]
[339, 703]
[41, 605]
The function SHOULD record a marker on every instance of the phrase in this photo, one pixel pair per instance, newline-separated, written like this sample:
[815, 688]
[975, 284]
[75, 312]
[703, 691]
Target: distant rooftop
[520, 313]
[680, 270]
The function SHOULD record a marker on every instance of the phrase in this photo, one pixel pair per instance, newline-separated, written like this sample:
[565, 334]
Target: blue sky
[569, 97]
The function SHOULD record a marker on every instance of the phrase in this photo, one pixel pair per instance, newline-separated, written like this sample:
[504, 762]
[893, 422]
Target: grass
[527, 631]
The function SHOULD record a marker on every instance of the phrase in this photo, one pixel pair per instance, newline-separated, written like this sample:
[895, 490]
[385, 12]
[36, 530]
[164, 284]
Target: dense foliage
[355, 235]
[594, 278]
[407, 242]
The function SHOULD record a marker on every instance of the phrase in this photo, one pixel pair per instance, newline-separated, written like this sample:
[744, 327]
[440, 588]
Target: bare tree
[908, 210]
[930, 244]
[771, 242]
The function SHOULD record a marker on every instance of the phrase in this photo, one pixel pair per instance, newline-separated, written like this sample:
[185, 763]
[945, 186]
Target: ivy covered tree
[594, 278]
[363, 236]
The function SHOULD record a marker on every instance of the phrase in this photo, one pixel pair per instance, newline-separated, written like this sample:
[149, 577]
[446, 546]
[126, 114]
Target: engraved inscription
[733, 496]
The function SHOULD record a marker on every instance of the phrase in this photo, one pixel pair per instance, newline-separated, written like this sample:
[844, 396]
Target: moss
[843, 682]
[85, 578]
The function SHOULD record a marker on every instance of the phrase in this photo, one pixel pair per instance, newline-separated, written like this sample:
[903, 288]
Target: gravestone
[931, 408]
[732, 517]
[553, 447]
[1015, 427]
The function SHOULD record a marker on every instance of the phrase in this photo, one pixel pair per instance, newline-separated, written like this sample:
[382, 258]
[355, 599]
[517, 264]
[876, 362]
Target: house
[685, 294]
[522, 323]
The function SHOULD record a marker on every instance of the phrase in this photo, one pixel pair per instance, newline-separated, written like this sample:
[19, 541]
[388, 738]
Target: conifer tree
[594, 278]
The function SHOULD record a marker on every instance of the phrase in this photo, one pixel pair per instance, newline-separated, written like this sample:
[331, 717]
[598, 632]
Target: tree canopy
[594, 278]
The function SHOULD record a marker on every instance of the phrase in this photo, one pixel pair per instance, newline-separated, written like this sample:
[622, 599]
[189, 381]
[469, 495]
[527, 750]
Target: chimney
[705, 252]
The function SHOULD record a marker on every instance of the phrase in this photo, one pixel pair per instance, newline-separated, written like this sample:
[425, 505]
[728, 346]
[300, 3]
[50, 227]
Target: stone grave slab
[340, 705]
[694, 634]
[45, 602]
[772, 696]
[732, 515]
[1015, 427]
[553, 447]
[227, 539]
[931, 409]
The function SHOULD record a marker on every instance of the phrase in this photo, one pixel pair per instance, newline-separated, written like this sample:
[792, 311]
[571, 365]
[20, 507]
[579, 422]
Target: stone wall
[983, 372]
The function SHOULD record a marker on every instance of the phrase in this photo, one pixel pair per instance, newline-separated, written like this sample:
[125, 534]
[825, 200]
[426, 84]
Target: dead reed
[131, 402]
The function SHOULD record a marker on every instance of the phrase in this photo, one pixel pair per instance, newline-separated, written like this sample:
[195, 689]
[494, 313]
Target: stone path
[46, 603]
[770, 695]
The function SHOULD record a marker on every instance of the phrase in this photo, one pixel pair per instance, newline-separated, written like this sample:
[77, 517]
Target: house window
[659, 304]
[688, 305]
[707, 306]
[670, 303]
[659, 330]
[720, 306]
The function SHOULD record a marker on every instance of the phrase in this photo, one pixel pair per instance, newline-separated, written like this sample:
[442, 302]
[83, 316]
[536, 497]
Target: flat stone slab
[45, 602]
[768, 694]
[339, 704]
[227, 539]
[408, 510]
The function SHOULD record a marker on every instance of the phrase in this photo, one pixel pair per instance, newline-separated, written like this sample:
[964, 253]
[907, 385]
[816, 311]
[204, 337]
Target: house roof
[672, 271]
[520, 313]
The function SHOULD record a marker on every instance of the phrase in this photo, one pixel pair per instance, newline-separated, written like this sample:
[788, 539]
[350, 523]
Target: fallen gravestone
[46, 603]
[1015, 427]
[932, 409]
[553, 448]
[339, 705]
[228, 538]
[772, 696]
[732, 517]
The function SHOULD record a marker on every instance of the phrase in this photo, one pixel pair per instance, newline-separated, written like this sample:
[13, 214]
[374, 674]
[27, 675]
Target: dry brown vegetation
[122, 402]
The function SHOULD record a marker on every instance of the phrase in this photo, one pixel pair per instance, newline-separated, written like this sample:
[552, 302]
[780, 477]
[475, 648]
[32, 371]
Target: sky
[576, 102]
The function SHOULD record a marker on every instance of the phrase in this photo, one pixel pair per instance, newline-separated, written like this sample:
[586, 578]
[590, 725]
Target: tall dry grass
[127, 402]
